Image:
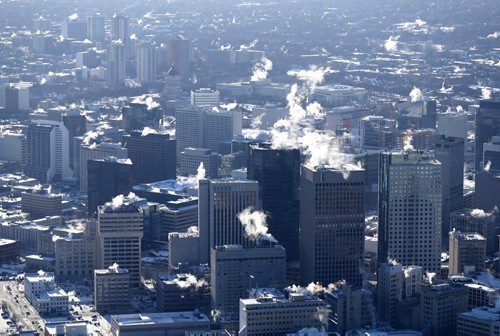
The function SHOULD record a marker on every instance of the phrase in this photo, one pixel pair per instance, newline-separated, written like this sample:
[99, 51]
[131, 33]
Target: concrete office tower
[13, 147]
[205, 96]
[278, 174]
[117, 62]
[107, 178]
[452, 124]
[236, 270]
[189, 125]
[177, 323]
[220, 202]
[95, 28]
[140, 113]
[268, 311]
[120, 231]
[179, 54]
[398, 289]
[487, 193]
[191, 158]
[75, 256]
[491, 155]
[120, 28]
[487, 126]
[221, 126]
[410, 193]
[483, 321]
[467, 251]
[332, 224]
[377, 132]
[450, 152]
[41, 202]
[153, 156]
[477, 220]
[440, 306]
[183, 249]
[146, 63]
[74, 29]
[178, 216]
[75, 123]
[112, 289]
[351, 308]
[97, 152]
[48, 151]
[181, 292]
[419, 115]
[15, 97]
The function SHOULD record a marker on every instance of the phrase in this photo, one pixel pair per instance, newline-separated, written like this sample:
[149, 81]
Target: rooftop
[159, 318]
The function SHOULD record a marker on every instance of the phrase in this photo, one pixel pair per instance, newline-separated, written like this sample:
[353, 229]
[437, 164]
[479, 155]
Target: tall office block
[120, 28]
[220, 202]
[487, 193]
[189, 125]
[138, 114]
[191, 158]
[452, 124]
[120, 231]
[410, 195]
[268, 311]
[476, 220]
[487, 126]
[179, 54]
[221, 126]
[48, 151]
[153, 156]
[441, 304]
[41, 203]
[450, 152]
[331, 224]
[13, 147]
[466, 250]
[74, 29]
[117, 61]
[112, 289]
[491, 155]
[75, 123]
[278, 174]
[205, 96]
[236, 270]
[95, 28]
[16, 97]
[74, 256]
[97, 152]
[377, 132]
[146, 63]
[107, 178]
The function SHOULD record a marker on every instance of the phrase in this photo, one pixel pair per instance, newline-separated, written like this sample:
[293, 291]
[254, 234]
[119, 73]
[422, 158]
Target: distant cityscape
[250, 168]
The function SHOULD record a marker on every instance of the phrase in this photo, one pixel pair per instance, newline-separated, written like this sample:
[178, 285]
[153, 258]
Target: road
[22, 312]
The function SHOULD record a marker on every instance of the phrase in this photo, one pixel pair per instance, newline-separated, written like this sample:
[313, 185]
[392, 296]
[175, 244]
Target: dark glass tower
[106, 179]
[278, 174]
[153, 156]
[487, 126]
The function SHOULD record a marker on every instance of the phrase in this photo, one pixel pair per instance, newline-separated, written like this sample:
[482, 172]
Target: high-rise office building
[205, 96]
[278, 174]
[153, 156]
[487, 193]
[117, 62]
[120, 231]
[97, 152]
[75, 123]
[74, 256]
[452, 124]
[331, 224]
[74, 29]
[191, 158]
[220, 202]
[48, 151]
[179, 54]
[410, 200]
[112, 289]
[268, 311]
[13, 147]
[487, 126]
[476, 220]
[450, 152]
[221, 126]
[491, 155]
[120, 28]
[467, 250]
[107, 178]
[377, 132]
[146, 63]
[15, 97]
[189, 125]
[40, 203]
[236, 270]
[95, 28]
[139, 114]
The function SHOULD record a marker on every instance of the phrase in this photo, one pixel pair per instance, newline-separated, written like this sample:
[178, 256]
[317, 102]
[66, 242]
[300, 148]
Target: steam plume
[255, 225]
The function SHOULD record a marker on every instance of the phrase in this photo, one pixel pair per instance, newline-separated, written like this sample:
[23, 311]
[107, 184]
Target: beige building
[467, 251]
[112, 289]
[75, 257]
[41, 203]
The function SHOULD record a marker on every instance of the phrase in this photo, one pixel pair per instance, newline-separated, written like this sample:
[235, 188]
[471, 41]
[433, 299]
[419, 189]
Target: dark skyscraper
[153, 156]
[331, 224]
[487, 126]
[278, 174]
[179, 54]
[450, 152]
[106, 179]
[38, 158]
[75, 123]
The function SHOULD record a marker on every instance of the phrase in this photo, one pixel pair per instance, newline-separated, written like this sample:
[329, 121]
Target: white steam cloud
[407, 142]
[201, 172]
[90, 137]
[255, 224]
[148, 130]
[190, 281]
[391, 44]
[313, 289]
[146, 100]
[487, 167]
[312, 77]
[73, 17]
[485, 93]
[260, 70]
[416, 95]
[249, 45]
